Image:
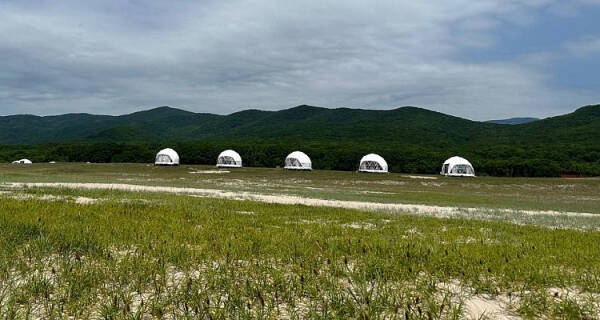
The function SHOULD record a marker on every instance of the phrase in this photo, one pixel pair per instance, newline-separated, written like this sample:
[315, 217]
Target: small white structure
[167, 157]
[457, 167]
[298, 160]
[373, 163]
[229, 159]
[22, 161]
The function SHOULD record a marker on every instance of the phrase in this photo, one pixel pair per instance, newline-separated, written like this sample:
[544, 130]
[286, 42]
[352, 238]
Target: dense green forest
[412, 140]
[488, 160]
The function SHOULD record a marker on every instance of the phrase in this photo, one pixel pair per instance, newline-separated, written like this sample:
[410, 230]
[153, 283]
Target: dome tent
[457, 167]
[373, 163]
[229, 159]
[22, 161]
[298, 160]
[167, 157]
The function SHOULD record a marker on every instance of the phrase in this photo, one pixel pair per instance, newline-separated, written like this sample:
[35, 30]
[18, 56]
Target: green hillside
[405, 125]
[411, 139]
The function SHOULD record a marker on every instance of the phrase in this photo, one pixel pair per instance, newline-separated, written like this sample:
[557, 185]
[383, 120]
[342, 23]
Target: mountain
[304, 122]
[405, 125]
[138, 126]
[413, 139]
[513, 120]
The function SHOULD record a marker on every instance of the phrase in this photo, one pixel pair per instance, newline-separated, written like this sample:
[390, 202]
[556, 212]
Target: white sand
[478, 307]
[209, 172]
[420, 177]
[85, 200]
[360, 225]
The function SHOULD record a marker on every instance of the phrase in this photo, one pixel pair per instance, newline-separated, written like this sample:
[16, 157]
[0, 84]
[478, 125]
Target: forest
[412, 140]
[488, 160]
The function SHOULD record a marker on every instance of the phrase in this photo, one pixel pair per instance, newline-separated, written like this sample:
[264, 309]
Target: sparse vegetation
[111, 254]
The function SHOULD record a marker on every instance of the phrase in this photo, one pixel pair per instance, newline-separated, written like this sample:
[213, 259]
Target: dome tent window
[298, 160]
[370, 165]
[167, 157]
[229, 159]
[457, 167]
[373, 163]
[164, 158]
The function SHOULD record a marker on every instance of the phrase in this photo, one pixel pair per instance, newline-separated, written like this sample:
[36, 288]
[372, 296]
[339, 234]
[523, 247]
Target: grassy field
[117, 254]
[576, 195]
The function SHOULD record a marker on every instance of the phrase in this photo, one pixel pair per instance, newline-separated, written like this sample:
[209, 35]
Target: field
[131, 241]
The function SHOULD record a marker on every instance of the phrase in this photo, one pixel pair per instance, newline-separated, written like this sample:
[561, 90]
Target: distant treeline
[498, 160]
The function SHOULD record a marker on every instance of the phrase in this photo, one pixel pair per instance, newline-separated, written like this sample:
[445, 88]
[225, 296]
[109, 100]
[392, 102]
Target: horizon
[283, 109]
[484, 60]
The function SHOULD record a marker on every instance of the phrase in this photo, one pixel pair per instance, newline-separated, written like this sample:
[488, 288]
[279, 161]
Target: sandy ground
[209, 172]
[510, 215]
[476, 306]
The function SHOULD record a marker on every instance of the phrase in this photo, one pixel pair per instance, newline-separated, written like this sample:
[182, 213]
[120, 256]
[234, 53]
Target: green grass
[575, 195]
[148, 255]
[183, 255]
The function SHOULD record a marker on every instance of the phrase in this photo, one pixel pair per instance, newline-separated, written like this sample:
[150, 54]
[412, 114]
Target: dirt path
[556, 219]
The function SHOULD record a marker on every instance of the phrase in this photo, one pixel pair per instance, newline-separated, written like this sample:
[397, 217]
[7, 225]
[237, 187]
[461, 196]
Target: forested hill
[169, 124]
[402, 125]
[412, 139]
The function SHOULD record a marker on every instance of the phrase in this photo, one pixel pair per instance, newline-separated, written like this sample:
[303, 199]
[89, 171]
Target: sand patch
[430, 184]
[315, 188]
[86, 200]
[421, 177]
[25, 197]
[209, 172]
[360, 225]
[480, 307]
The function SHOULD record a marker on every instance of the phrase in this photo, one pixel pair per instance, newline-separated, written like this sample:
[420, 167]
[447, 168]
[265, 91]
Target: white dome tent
[298, 160]
[373, 163]
[457, 167]
[229, 159]
[22, 161]
[167, 157]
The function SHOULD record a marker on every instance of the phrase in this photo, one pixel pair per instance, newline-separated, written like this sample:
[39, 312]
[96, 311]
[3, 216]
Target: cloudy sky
[479, 59]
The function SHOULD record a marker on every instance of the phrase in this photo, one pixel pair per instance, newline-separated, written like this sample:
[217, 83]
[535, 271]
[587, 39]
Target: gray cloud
[223, 56]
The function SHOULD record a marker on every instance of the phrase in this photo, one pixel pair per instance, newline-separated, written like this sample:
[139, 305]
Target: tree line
[497, 160]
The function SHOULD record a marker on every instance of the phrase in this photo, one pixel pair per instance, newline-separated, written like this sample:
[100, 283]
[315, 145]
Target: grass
[575, 195]
[127, 255]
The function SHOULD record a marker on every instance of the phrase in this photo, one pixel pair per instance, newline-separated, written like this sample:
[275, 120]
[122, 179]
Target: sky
[484, 59]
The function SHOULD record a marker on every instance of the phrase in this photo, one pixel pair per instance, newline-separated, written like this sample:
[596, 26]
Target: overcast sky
[482, 59]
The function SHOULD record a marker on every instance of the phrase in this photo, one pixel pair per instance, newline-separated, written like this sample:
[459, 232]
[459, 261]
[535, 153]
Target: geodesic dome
[22, 161]
[457, 167]
[298, 160]
[229, 159]
[373, 163]
[167, 157]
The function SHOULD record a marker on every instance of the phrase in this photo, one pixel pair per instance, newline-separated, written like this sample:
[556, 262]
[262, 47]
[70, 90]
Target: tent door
[445, 169]
[293, 162]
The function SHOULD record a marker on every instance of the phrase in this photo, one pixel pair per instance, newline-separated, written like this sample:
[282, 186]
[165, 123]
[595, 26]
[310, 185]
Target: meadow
[131, 241]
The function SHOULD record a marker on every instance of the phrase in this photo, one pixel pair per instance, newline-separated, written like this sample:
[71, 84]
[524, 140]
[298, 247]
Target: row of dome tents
[298, 160]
